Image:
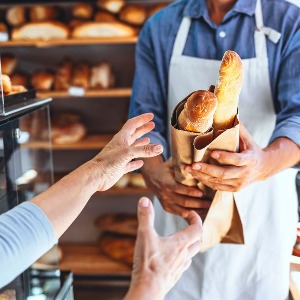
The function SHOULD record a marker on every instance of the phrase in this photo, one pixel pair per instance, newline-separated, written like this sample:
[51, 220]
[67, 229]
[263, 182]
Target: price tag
[76, 91]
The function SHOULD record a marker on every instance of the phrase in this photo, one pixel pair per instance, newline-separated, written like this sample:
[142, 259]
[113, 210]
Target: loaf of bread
[113, 6]
[16, 16]
[39, 13]
[133, 14]
[198, 112]
[63, 76]
[19, 79]
[6, 84]
[102, 76]
[103, 16]
[8, 64]
[15, 89]
[82, 11]
[228, 90]
[41, 31]
[42, 80]
[103, 29]
[81, 76]
[68, 134]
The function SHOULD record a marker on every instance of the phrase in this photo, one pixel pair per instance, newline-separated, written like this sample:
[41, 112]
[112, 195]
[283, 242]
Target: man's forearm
[279, 155]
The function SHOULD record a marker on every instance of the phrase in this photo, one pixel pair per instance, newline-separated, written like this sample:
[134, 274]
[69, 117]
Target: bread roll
[16, 16]
[198, 112]
[19, 79]
[228, 90]
[69, 134]
[102, 76]
[42, 81]
[103, 29]
[103, 16]
[15, 89]
[42, 13]
[8, 64]
[6, 84]
[133, 14]
[41, 31]
[113, 6]
[63, 76]
[81, 76]
[82, 11]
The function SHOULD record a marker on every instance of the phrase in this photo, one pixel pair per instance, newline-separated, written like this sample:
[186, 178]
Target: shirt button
[222, 34]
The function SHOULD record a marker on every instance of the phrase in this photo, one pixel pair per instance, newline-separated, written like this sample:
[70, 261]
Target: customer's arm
[29, 230]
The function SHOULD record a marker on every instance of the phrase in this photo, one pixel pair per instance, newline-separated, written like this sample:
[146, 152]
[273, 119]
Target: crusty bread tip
[198, 112]
[228, 90]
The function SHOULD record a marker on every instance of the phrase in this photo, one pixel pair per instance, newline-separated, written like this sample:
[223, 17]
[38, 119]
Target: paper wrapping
[222, 223]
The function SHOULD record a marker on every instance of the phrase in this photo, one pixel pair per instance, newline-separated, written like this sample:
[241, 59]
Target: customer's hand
[236, 170]
[160, 261]
[174, 197]
[118, 157]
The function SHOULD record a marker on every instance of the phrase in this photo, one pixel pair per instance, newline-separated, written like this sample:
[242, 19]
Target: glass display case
[26, 169]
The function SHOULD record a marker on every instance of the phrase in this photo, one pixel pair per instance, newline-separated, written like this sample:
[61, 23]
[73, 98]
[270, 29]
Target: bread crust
[228, 90]
[198, 112]
[113, 6]
[6, 84]
[134, 14]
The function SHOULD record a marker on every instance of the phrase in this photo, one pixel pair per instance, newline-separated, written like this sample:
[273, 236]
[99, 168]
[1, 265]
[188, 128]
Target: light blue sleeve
[25, 235]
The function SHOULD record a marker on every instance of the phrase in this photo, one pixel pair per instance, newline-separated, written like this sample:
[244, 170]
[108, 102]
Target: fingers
[142, 131]
[141, 142]
[145, 151]
[194, 249]
[132, 124]
[189, 202]
[134, 165]
[194, 219]
[145, 213]
[187, 190]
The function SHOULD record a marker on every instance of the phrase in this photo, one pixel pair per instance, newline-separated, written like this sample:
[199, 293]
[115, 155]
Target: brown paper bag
[222, 223]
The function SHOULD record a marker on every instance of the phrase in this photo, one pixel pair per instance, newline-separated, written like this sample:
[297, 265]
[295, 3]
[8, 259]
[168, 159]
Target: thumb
[145, 213]
[246, 140]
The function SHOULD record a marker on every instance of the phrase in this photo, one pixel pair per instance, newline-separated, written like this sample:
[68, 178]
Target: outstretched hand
[120, 154]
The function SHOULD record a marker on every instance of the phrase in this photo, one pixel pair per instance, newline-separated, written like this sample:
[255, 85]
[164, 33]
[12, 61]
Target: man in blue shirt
[179, 51]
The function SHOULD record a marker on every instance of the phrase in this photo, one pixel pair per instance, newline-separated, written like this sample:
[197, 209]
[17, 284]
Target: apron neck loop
[181, 36]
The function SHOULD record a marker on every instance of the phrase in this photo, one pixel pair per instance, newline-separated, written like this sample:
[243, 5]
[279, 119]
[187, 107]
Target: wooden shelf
[71, 42]
[86, 259]
[91, 142]
[110, 93]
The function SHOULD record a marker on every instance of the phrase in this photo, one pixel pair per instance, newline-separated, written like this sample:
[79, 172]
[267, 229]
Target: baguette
[228, 90]
[198, 112]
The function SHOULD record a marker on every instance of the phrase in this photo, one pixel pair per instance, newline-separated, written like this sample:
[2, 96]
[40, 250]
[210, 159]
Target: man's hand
[236, 170]
[160, 261]
[175, 198]
[120, 154]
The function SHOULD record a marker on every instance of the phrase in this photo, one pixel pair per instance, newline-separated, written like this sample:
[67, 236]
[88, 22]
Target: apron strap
[181, 36]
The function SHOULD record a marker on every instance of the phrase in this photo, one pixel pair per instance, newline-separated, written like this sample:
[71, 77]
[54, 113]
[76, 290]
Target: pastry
[133, 14]
[19, 79]
[68, 134]
[42, 80]
[228, 90]
[81, 76]
[16, 16]
[63, 76]
[103, 16]
[113, 6]
[102, 76]
[42, 13]
[82, 11]
[8, 64]
[198, 112]
[6, 84]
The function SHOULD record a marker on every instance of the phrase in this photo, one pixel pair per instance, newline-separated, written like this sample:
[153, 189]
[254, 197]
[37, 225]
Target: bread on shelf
[16, 16]
[228, 90]
[8, 64]
[82, 11]
[198, 112]
[103, 16]
[43, 31]
[103, 29]
[133, 14]
[113, 6]
[63, 76]
[68, 134]
[15, 89]
[39, 13]
[101, 76]
[42, 80]
[81, 76]
[6, 84]
[19, 79]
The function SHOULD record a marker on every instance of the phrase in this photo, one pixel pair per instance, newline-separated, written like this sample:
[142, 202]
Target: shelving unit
[86, 259]
[109, 93]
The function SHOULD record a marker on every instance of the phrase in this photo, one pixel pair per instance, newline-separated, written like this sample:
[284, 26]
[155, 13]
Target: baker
[179, 51]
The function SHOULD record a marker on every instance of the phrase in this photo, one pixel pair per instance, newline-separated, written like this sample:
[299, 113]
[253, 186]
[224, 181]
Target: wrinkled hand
[238, 170]
[118, 157]
[175, 198]
[160, 261]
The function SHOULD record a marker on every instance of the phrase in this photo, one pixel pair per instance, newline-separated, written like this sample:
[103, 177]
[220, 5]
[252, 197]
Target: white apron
[260, 268]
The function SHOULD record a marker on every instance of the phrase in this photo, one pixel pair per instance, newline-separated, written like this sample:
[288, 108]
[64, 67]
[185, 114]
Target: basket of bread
[206, 121]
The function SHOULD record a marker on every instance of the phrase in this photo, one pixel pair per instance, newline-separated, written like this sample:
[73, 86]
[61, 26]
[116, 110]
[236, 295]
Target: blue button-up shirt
[210, 41]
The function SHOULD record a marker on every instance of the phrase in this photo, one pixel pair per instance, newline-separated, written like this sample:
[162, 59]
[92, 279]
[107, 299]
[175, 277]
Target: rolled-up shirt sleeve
[150, 87]
[288, 117]
[25, 235]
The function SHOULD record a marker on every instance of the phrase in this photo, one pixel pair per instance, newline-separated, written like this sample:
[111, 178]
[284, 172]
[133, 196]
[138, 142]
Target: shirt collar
[198, 8]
